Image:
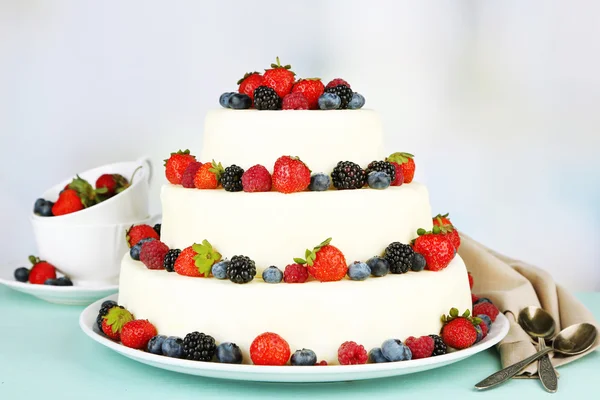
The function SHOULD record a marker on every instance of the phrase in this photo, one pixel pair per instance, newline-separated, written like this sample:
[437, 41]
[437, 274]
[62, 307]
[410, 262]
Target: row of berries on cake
[290, 174]
[458, 332]
[278, 89]
[41, 273]
[432, 250]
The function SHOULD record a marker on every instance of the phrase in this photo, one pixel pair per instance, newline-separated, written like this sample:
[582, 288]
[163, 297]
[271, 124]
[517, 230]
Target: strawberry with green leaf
[197, 260]
[325, 262]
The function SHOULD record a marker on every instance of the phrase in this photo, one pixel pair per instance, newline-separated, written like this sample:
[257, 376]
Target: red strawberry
[470, 280]
[185, 264]
[197, 260]
[187, 179]
[337, 81]
[152, 254]
[41, 271]
[325, 262]
[280, 78]
[176, 165]
[113, 322]
[399, 180]
[68, 202]
[448, 229]
[137, 333]
[208, 176]
[352, 353]
[483, 308]
[312, 89]
[437, 250]
[295, 273]
[139, 232]
[406, 162]
[290, 175]
[249, 82]
[294, 101]
[109, 184]
[256, 179]
[269, 349]
[459, 331]
[420, 347]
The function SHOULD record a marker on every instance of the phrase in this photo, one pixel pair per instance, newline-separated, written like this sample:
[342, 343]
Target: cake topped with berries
[294, 224]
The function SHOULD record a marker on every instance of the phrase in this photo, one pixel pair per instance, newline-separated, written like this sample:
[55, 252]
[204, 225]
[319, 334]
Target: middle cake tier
[272, 228]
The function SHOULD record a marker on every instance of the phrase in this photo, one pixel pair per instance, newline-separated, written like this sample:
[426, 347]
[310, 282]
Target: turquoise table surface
[44, 355]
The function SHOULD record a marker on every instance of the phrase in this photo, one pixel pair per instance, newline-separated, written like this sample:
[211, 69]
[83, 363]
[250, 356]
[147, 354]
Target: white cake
[271, 228]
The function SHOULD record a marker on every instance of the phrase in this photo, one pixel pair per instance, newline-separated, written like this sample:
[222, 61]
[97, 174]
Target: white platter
[332, 373]
[68, 295]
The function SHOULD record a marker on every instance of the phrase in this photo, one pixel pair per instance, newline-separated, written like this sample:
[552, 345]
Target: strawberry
[280, 78]
[256, 179]
[399, 179]
[113, 322]
[290, 175]
[448, 229]
[325, 262]
[459, 331]
[485, 308]
[197, 260]
[337, 81]
[137, 333]
[176, 164]
[139, 232]
[312, 89]
[68, 202]
[294, 101]
[208, 176]
[436, 248]
[470, 280]
[269, 349]
[249, 82]
[110, 184]
[153, 253]
[406, 162]
[41, 271]
[421, 347]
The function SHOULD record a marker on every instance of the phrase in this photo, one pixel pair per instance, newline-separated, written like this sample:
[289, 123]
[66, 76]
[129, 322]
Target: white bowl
[89, 254]
[129, 205]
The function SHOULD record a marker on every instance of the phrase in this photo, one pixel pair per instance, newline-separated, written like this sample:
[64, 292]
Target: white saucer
[333, 373]
[69, 295]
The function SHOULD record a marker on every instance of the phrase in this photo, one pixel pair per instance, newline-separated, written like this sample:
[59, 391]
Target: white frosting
[272, 228]
[319, 138]
[314, 315]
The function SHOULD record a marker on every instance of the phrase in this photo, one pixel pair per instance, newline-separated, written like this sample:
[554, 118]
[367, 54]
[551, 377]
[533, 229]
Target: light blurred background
[497, 100]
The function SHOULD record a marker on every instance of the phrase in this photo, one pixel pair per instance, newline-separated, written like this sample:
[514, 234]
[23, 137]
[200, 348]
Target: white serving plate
[331, 373]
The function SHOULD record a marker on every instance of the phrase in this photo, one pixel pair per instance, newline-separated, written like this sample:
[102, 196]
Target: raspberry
[256, 179]
[487, 309]
[399, 180]
[153, 254]
[295, 273]
[337, 81]
[294, 101]
[187, 180]
[484, 328]
[269, 349]
[322, 362]
[420, 347]
[470, 279]
[474, 298]
[351, 353]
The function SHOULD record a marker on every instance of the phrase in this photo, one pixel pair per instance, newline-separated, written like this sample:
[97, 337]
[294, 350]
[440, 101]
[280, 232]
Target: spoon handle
[510, 371]
[546, 371]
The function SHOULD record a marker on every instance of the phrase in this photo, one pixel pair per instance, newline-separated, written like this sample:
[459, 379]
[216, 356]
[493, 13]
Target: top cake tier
[319, 138]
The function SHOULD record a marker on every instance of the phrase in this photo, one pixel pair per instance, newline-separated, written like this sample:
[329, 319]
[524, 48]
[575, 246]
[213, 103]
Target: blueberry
[359, 271]
[378, 180]
[46, 209]
[482, 300]
[329, 101]
[219, 270]
[395, 350]
[375, 356]
[272, 275]
[479, 334]
[229, 353]
[37, 205]
[239, 101]
[304, 357]
[319, 182]
[64, 281]
[356, 102]
[22, 274]
[134, 252]
[224, 99]
[379, 266]
[51, 282]
[172, 347]
[155, 344]
[486, 320]
[418, 262]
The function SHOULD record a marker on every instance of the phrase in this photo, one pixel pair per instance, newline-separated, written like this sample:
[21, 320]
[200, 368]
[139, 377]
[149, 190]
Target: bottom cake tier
[312, 315]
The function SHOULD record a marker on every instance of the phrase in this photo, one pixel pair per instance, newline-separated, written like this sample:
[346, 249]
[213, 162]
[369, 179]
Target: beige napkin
[513, 285]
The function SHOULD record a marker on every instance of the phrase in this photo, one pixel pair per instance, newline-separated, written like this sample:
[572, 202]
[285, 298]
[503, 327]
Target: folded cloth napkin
[513, 285]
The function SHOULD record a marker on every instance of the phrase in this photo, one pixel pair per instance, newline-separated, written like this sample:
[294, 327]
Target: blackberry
[104, 309]
[382, 166]
[157, 229]
[170, 258]
[344, 92]
[348, 175]
[231, 178]
[199, 347]
[440, 346]
[241, 269]
[266, 98]
[399, 256]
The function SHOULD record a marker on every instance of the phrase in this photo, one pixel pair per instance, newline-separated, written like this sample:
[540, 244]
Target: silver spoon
[540, 325]
[573, 340]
